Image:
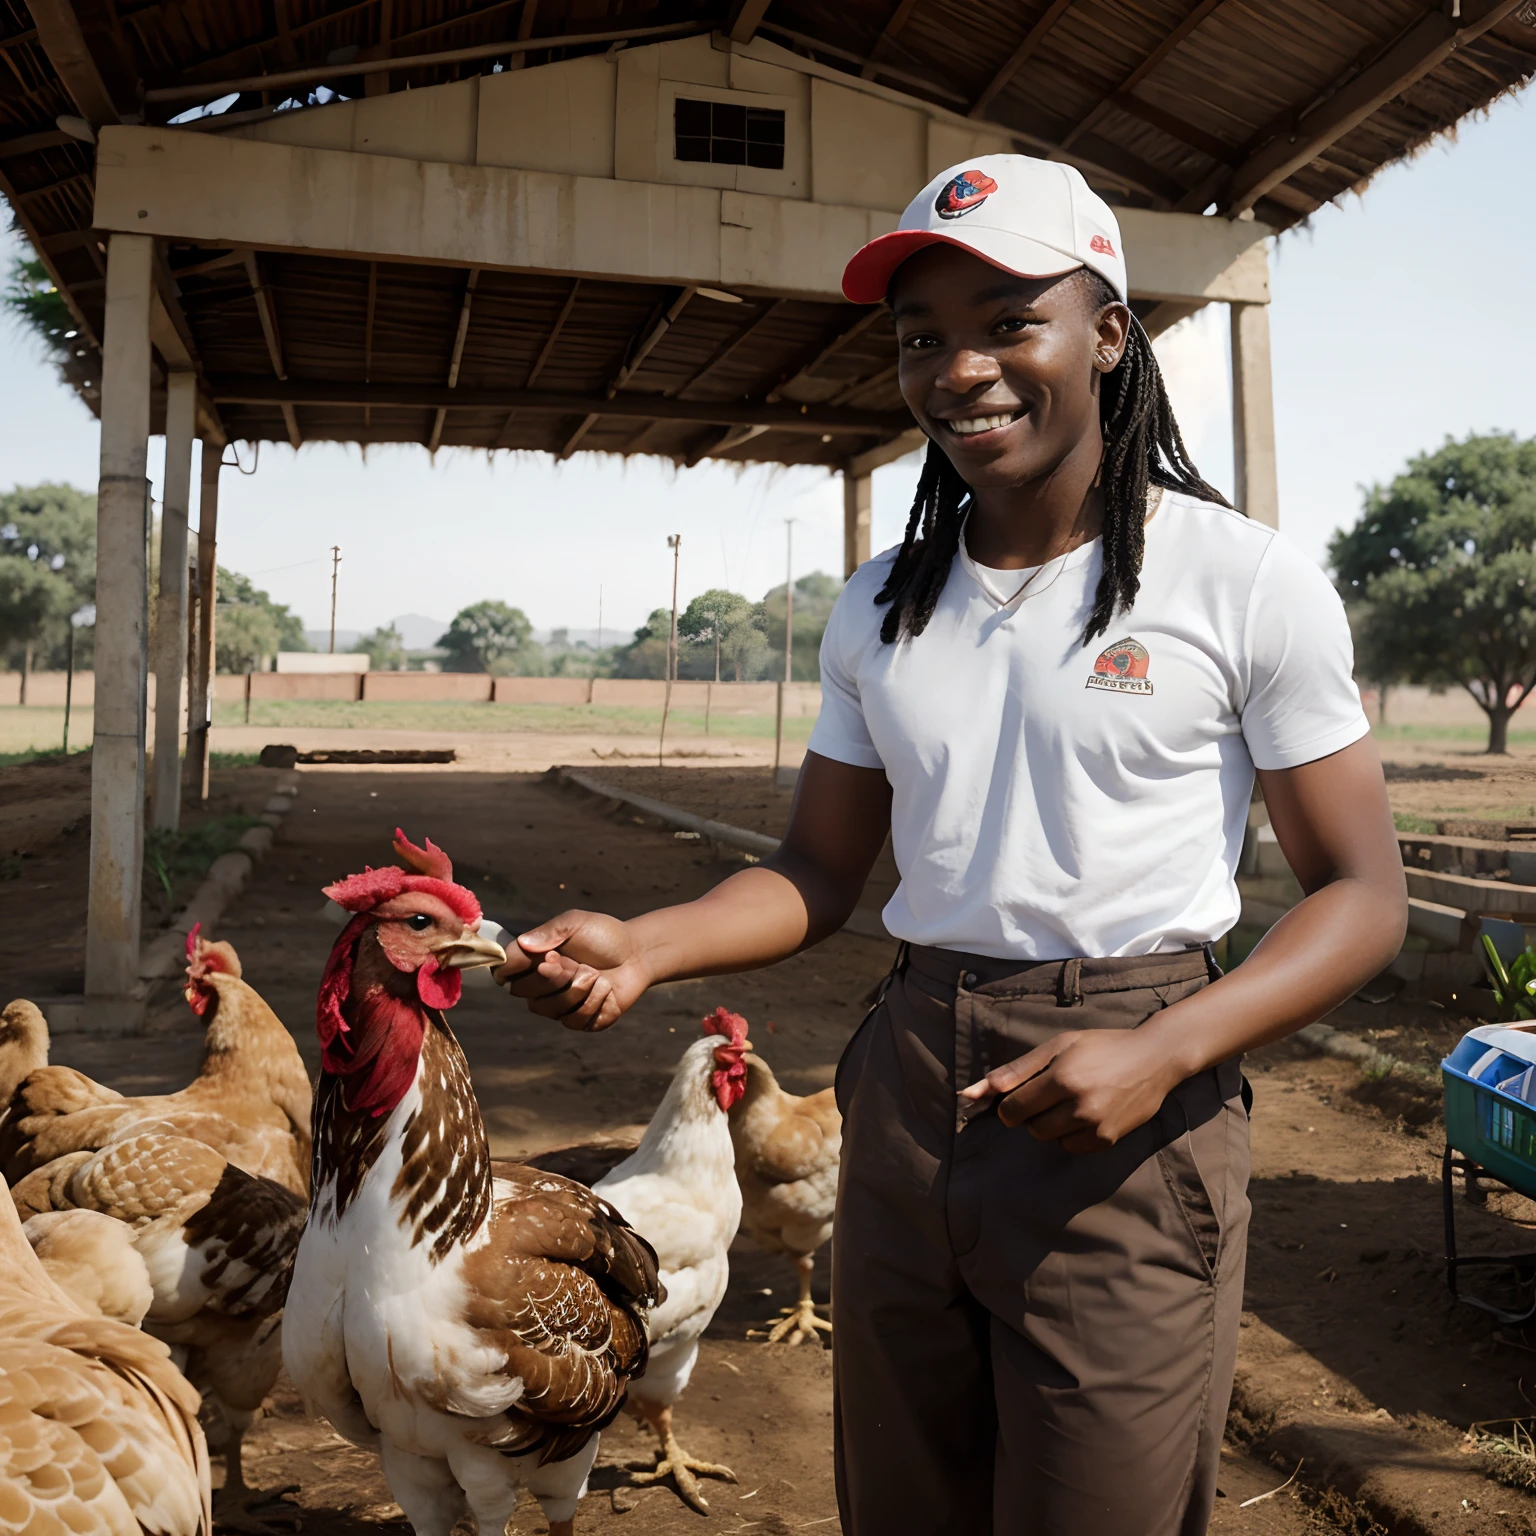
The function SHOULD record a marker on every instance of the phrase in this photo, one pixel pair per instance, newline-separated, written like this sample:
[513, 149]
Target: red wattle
[438, 989]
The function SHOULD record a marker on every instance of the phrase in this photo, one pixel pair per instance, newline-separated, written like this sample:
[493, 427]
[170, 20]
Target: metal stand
[1523, 1265]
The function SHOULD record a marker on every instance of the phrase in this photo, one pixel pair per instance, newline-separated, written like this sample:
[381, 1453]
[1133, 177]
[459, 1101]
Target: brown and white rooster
[98, 1430]
[476, 1321]
[217, 1247]
[250, 1100]
[787, 1153]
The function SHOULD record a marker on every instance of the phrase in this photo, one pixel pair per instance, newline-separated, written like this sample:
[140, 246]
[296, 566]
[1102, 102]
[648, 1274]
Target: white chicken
[679, 1191]
[474, 1321]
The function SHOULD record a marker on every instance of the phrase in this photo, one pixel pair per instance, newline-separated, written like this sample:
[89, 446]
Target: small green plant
[175, 861]
[1514, 988]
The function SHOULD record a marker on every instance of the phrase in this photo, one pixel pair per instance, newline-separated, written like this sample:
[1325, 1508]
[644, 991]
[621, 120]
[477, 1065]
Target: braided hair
[1142, 447]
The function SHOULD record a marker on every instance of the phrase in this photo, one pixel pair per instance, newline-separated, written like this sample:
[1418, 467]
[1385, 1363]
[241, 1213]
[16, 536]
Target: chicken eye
[418, 921]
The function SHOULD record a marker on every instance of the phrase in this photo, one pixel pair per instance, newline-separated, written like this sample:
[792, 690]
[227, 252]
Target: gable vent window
[721, 133]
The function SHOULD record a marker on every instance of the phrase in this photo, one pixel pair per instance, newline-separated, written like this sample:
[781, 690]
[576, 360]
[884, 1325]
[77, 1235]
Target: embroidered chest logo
[1122, 667]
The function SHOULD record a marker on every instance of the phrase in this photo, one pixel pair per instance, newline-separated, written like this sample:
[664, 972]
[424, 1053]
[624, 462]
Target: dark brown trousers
[1030, 1342]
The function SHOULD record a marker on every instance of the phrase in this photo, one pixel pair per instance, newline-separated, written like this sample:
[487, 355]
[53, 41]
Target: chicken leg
[235, 1505]
[800, 1321]
[674, 1460]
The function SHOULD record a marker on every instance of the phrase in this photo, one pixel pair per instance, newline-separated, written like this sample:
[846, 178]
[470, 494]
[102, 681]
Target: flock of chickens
[475, 1322]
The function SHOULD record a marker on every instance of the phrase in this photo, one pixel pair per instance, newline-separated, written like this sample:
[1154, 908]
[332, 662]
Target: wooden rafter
[784, 416]
[1174, 39]
[899, 18]
[827, 347]
[1427, 43]
[378, 85]
[266, 309]
[459, 338]
[741, 335]
[545, 353]
[745, 17]
[646, 342]
[58, 30]
[863, 386]
[1020, 56]
[721, 442]
[373, 301]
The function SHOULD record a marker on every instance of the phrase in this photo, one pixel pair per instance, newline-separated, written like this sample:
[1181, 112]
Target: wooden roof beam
[1020, 56]
[646, 344]
[1195, 18]
[828, 347]
[460, 336]
[1423, 47]
[899, 18]
[266, 309]
[58, 30]
[741, 335]
[545, 352]
[744, 19]
[784, 416]
[720, 442]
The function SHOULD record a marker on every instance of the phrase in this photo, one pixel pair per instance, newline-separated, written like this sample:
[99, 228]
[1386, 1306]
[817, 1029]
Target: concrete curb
[165, 953]
[757, 845]
[1366, 1455]
[1328, 1041]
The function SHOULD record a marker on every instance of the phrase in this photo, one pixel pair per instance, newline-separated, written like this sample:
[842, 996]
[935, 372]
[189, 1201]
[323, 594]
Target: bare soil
[1345, 1256]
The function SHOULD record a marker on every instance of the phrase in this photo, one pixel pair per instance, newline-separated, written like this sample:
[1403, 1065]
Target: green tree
[814, 596]
[40, 307]
[712, 621]
[384, 649]
[646, 654]
[249, 625]
[1443, 566]
[486, 637]
[47, 568]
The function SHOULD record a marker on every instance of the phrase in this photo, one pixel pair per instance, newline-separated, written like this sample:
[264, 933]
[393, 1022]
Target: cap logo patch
[1100, 243]
[1122, 668]
[964, 193]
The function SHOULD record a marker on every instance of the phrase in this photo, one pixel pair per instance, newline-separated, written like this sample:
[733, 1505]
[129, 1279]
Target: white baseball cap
[1034, 218]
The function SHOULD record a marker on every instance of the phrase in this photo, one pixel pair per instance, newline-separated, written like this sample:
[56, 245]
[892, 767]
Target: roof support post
[171, 609]
[1257, 482]
[122, 593]
[200, 693]
[858, 505]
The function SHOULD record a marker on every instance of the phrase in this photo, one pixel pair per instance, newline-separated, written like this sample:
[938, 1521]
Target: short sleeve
[840, 731]
[1302, 700]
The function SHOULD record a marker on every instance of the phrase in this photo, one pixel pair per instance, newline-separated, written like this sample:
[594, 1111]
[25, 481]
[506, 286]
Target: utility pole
[789, 598]
[675, 544]
[335, 561]
[599, 617]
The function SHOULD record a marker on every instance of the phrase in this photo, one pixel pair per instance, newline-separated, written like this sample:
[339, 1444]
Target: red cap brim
[868, 274]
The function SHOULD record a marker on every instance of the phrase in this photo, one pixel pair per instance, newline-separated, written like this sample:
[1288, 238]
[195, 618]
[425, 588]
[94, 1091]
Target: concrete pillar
[122, 594]
[171, 610]
[858, 504]
[200, 692]
[1253, 416]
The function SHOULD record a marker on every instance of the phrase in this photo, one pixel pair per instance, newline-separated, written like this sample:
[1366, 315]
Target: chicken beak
[468, 951]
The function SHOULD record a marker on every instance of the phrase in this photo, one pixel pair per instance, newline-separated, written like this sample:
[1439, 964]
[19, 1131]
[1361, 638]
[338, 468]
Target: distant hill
[418, 632]
[320, 639]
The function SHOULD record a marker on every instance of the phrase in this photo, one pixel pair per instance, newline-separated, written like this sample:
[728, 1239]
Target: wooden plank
[58, 30]
[1020, 56]
[899, 18]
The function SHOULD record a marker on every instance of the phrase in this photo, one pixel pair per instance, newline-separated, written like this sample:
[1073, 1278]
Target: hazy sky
[1398, 318]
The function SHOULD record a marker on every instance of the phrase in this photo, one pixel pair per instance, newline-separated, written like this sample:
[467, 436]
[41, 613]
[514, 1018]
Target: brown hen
[98, 1429]
[250, 1100]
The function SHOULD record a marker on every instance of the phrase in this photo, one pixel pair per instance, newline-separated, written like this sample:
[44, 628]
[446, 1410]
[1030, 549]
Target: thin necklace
[1060, 554]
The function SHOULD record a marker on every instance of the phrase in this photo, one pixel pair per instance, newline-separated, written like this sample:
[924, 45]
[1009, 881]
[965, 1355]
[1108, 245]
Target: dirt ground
[1345, 1256]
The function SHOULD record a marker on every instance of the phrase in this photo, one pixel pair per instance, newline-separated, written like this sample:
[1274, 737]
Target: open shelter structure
[616, 226]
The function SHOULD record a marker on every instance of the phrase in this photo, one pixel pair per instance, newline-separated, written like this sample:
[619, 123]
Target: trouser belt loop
[1212, 969]
[1069, 987]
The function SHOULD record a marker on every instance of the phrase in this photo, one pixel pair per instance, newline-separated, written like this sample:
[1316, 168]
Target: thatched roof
[1272, 105]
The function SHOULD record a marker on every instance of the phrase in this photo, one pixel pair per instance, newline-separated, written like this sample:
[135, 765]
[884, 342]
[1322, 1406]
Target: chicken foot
[674, 1460]
[233, 1503]
[800, 1321]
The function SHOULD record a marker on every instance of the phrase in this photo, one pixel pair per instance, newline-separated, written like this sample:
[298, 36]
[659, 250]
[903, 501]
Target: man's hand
[582, 968]
[1084, 1088]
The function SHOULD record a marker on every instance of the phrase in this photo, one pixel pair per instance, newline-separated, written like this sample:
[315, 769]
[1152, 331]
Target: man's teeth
[976, 424]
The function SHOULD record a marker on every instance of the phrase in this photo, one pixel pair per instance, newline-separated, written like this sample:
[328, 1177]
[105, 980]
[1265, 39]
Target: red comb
[723, 1022]
[197, 928]
[430, 860]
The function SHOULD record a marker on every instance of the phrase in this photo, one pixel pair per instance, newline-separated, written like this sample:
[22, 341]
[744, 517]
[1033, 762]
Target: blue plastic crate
[1490, 1102]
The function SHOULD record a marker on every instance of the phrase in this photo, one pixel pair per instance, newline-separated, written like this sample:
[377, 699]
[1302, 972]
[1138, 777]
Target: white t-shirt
[1052, 800]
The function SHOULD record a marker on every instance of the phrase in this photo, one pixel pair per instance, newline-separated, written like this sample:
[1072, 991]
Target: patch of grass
[1407, 823]
[175, 862]
[38, 755]
[1457, 733]
[36, 730]
[234, 759]
[571, 719]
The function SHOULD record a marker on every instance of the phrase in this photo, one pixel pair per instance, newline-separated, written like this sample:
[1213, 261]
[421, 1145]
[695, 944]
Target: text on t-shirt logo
[1122, 667]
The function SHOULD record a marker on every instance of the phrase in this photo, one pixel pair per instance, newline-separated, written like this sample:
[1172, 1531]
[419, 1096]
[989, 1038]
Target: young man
[1054, 696]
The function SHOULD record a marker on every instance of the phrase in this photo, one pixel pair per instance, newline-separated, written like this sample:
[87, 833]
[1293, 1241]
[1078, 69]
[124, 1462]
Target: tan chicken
[787, 1151]
[216, 1246]
[250, 1100]
[91, 1258]
[98, 1429]
[475, 1322]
